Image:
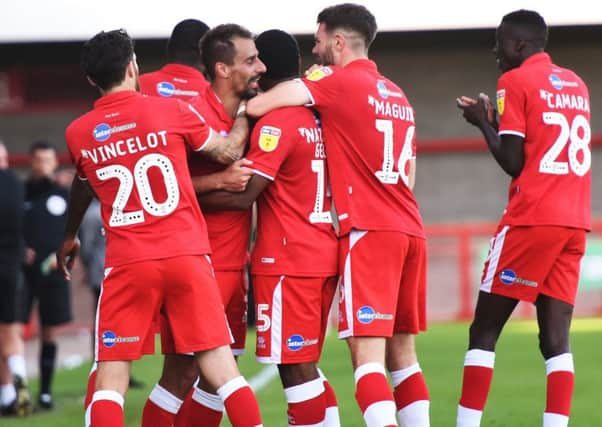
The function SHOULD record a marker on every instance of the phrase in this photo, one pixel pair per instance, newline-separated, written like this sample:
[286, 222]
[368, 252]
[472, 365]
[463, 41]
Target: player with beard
[294, 260]
[230, 57]
[382, 241]
[130, 152]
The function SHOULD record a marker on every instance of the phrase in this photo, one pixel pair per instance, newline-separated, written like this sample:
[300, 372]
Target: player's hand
[311, 69]
[476, 111]
[65, 256]
[236, 176]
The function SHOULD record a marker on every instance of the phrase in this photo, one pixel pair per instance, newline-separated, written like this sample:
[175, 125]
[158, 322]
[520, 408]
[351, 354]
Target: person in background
[45, 218]
[14, 394]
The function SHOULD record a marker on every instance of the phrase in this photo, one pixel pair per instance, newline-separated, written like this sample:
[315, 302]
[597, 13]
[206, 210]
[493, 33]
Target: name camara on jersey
[123, 147]
[564, 101]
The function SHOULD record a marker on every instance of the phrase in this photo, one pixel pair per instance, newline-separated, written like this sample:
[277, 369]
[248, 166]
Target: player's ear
[339, 41]
[222, 70]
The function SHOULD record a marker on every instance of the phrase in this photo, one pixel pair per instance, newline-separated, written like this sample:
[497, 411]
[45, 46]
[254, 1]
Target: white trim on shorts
[354, 237]
[494, 259]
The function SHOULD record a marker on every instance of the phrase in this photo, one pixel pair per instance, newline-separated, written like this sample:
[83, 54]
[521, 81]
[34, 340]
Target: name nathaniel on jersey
[564, 100]
[124, 147]
[314, 136]
[391, 109]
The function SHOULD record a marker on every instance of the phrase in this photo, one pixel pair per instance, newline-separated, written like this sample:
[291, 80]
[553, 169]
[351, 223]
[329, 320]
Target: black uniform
[45, 218]
[11, 245]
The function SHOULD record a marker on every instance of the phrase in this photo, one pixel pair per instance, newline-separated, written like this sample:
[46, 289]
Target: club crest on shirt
[500, 96]
[319, 74]
[269, 137]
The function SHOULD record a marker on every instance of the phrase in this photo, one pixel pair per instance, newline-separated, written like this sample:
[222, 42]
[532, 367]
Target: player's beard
[249, 91]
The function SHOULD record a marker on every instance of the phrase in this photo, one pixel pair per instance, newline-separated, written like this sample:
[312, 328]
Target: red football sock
[561, 381]
[374, 396]
[331, 415]
[107, 409]
[200, 409]
[160, 409]
[89, 393]
[411, 396]
[306, 403]
[478, 373]
[240, 402]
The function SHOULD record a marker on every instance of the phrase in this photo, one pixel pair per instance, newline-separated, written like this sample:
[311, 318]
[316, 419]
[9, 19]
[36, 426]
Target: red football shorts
[383, 284]
[524, 262]
[132, 295]
[292, 316]
[233, 286]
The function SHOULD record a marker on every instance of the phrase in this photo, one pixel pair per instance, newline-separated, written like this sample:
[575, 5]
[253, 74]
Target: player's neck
[123, 86]
[229, 100]
[349, 56]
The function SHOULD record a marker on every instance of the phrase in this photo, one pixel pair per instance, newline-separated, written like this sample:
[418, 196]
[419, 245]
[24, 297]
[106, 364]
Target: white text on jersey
[564, 100]
[124, 147]
[391, 109]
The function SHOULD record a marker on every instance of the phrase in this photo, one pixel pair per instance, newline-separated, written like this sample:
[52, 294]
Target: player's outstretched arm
[285, 94]
[79, 199]
[224, 200]
[228, 149]
[506, 149]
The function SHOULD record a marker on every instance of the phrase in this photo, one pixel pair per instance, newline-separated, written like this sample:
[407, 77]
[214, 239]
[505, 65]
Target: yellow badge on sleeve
[319, 74]
[500, 96]
[269, 137]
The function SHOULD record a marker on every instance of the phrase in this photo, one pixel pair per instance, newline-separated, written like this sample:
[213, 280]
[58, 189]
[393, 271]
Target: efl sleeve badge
[500, 96]
[269, 137]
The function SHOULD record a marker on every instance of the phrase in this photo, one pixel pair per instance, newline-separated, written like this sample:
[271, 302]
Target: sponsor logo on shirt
[500, 97]
[269, 137]
[296, 342]
[509, 277]
[381, 87]
[103, 131]
[367, 314]
[558, 84]
[319, 74]
[168, 89]
[109, 339]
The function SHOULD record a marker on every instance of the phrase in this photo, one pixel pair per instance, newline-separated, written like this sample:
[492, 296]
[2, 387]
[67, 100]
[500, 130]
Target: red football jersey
[132, 150]
[294, 224]
[174, 80]
[549, 107]
[369, 131]
[229, 231]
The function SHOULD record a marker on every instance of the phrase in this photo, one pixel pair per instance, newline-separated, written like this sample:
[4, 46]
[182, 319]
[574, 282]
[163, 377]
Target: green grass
[517, 396]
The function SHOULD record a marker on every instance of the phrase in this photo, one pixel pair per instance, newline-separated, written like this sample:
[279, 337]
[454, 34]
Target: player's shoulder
[322, 72]
[286, 115]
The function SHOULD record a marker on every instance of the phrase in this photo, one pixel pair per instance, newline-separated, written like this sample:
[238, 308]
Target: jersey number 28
[568, 135]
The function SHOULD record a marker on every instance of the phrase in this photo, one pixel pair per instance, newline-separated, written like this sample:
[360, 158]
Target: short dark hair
[530, 22]
[41, 145]
[351, 17]
[105, 57]
[183, 44]
[217, 46]
[279, 51]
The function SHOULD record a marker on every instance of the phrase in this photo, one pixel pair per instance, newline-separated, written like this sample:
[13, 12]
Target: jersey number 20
[140, 180]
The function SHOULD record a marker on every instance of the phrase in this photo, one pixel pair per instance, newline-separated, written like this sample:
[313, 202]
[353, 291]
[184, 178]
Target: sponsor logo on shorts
[367, 314]
[296, 342]
[109, 339]
[509, 277]
[103, 131]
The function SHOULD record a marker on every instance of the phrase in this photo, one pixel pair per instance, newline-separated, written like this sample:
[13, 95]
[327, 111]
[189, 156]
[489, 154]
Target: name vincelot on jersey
[124, 147]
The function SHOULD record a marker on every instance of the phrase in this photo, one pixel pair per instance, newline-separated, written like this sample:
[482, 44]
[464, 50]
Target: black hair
[351, 17]
[41, 145]
[105, 57]
[529, 21]
[183, 44]
[279, 51]
[217, 46]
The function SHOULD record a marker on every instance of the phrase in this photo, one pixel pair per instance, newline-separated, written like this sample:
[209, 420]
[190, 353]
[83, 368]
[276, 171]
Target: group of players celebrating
[176, 168]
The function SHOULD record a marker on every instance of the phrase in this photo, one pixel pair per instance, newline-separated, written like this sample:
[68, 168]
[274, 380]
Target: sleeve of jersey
[73, 154]
[322, 87]
[196, 130]
[268, 148]
[511, 105]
